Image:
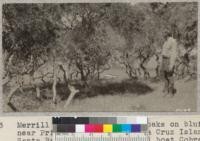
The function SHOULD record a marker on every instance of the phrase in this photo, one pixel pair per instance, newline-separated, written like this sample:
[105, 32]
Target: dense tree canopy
[78, 34]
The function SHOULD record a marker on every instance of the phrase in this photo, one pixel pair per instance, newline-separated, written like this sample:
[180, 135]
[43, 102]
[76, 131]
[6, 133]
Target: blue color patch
[126, 128]
[136, 128]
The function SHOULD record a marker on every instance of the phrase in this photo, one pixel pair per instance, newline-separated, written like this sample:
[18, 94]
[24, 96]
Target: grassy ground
[113, 95]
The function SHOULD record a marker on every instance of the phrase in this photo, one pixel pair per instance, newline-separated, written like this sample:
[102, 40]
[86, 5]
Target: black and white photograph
[100, 57]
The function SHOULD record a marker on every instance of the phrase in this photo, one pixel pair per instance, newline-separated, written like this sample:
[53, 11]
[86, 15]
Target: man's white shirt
[170, 50]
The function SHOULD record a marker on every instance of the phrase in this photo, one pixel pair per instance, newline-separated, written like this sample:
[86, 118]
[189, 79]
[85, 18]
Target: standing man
[169, 56]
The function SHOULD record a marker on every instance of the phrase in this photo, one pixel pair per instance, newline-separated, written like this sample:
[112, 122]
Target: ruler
[100, 137]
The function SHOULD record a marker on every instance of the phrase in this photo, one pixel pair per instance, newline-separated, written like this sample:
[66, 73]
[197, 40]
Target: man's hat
[167, 33]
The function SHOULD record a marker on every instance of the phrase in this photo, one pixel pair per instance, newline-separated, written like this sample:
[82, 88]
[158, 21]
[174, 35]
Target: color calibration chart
[100, 129]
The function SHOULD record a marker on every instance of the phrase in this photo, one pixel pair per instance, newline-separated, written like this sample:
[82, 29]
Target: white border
[97, 113]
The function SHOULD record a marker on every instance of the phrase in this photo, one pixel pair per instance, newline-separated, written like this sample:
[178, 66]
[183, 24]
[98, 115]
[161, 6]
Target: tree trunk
[98, 73]
[64, 74]
[12, 107]
[10, 96]
[38, 92]
[65, 79]
[80, 68]
[71, 96]
[146, 73]
[82, 75]
[54, 81]
[5, 80]
[7, 62]
[54, 87]
[70, 89]
[157, 72]
[158, 67]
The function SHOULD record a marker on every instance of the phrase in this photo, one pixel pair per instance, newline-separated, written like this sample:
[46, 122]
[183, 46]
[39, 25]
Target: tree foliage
[78, 35]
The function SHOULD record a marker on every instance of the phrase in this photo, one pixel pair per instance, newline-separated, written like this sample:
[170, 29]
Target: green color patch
[117, 128]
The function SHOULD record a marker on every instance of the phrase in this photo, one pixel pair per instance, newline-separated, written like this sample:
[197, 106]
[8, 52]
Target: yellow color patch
[107, 128]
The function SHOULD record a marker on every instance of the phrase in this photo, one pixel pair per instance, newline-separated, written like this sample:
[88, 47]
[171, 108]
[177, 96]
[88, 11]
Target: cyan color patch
[126, 128]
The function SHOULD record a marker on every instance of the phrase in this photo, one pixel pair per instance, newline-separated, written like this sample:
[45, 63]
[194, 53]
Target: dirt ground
[185, 99]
